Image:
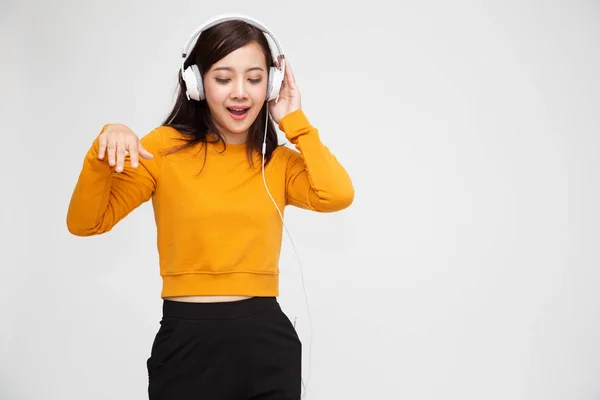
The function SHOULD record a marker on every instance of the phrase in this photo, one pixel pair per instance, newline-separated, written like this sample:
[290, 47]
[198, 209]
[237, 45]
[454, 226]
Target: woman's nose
[239, 89]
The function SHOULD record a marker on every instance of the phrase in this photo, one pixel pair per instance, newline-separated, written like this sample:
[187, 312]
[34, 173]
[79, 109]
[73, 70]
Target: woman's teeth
[238, 113]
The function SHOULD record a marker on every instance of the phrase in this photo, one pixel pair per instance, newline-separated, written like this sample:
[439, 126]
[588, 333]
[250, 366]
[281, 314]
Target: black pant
[240, 350]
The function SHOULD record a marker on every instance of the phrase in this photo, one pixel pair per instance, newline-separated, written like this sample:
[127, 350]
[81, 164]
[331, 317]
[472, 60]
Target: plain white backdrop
[468, 266]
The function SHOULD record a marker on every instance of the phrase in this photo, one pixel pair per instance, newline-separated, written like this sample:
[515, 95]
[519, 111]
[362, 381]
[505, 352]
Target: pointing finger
[145, 154]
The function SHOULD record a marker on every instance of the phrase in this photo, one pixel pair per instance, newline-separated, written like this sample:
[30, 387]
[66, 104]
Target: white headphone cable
[264, 149]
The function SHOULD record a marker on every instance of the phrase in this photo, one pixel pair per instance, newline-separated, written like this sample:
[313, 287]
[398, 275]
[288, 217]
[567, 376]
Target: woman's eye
[225, 80]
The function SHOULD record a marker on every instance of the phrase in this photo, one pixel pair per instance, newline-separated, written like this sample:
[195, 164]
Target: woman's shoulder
[164, 137]
[165, 133]
[285, 153]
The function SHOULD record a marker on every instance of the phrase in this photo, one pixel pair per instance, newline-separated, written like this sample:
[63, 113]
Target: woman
[218, 195]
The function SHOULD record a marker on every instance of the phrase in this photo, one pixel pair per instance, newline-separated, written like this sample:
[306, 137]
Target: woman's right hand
[116, 141]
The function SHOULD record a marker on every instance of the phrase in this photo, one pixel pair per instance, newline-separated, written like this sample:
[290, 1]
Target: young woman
[219, 181]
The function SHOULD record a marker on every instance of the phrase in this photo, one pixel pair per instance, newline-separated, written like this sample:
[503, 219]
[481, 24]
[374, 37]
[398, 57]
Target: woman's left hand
[289, 96]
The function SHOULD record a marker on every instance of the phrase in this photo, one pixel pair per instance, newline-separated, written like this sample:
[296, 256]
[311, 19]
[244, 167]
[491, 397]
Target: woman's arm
[315, 179]
[105, 193]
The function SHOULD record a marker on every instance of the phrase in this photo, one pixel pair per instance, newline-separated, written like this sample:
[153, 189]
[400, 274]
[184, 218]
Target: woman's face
[236, 89]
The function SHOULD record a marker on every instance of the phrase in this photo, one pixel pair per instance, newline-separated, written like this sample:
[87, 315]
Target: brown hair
[192, 118]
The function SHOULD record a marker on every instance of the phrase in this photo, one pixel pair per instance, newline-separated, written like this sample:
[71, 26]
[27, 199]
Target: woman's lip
[238, 117]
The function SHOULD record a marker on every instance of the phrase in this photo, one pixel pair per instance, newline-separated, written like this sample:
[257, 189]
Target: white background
[468, 266]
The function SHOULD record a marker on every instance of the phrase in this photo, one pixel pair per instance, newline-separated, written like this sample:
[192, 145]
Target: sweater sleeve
[102, 196]
[315, 179]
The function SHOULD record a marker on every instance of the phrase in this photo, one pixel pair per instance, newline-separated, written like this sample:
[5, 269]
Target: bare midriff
[207, 299]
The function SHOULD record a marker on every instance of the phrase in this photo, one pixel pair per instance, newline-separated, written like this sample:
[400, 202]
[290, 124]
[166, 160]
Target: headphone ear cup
[270, 84]
[274, 85]
[199, 83]
[193, 83]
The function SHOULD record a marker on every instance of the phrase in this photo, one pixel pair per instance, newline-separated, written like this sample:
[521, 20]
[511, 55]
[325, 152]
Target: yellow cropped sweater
[218, 231]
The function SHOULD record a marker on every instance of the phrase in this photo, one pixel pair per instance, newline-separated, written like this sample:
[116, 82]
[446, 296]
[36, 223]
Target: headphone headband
[192, 76]
[224, 18]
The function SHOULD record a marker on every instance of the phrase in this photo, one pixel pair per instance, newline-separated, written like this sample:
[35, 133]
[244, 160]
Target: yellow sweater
[219, 233]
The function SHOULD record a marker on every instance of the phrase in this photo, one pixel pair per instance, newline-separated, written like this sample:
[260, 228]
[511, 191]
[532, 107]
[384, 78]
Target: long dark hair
[192, 118]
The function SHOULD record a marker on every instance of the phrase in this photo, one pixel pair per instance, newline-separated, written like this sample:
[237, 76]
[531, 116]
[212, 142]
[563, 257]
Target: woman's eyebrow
[231, 69]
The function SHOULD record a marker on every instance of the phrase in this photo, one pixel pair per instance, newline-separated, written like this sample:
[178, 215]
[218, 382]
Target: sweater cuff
[295, 124]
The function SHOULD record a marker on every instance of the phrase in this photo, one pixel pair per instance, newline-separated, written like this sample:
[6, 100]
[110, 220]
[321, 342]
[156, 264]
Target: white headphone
[193, 79]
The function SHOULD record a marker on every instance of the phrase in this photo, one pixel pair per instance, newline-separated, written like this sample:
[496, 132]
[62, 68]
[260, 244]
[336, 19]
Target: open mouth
[238, 112]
